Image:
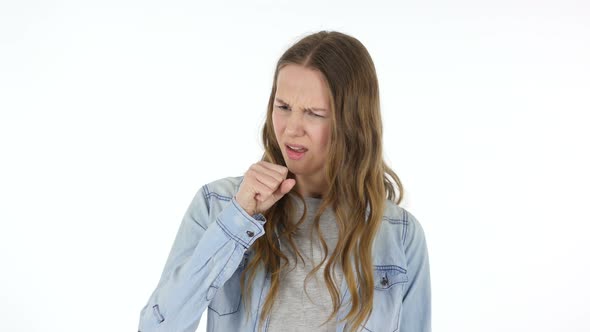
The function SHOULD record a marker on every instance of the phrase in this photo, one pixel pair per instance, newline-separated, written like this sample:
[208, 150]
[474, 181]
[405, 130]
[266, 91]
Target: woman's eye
[286, 108]
[314, 114]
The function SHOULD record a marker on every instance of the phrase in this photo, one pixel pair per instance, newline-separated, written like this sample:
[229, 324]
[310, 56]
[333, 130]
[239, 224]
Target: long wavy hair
[359, 181]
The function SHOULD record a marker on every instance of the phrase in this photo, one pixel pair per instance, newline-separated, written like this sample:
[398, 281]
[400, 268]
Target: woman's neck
[310, 187]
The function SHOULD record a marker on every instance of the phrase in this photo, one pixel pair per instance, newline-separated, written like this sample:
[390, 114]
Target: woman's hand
[263, 185]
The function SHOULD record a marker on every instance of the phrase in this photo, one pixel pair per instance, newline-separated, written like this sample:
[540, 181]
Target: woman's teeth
[296, 149]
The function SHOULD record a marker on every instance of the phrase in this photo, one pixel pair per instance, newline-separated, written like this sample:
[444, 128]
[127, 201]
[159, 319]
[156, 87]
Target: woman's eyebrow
[305, 108]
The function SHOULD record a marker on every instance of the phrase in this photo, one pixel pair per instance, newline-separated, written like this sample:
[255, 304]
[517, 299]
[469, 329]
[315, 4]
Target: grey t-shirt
[294, 310]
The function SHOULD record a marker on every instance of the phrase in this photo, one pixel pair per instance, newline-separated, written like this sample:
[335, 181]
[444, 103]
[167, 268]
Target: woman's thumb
[287, 185]
[284, 188]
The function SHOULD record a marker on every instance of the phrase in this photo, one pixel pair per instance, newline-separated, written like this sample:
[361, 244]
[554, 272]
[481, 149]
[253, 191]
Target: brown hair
[356, 174]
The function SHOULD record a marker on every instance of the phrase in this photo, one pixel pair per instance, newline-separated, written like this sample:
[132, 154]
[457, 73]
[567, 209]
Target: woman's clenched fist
[263, 185]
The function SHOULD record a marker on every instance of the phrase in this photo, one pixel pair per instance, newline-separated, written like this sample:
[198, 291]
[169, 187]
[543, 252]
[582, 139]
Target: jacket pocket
[228, 297]
[390, 281]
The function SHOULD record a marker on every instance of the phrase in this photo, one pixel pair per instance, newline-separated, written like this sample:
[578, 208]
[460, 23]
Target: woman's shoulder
[398, 231]
[399, 223]
[225, 187]
[397, 215]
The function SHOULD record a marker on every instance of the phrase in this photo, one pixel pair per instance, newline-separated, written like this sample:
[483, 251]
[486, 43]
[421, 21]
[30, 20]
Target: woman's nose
[295, 124]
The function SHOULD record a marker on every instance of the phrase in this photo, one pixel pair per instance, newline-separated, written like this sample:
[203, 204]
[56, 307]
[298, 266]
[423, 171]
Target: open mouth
[295, 153]
[296, 149]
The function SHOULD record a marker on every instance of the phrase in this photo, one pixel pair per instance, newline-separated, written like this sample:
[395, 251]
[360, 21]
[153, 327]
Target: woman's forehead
[299, 85]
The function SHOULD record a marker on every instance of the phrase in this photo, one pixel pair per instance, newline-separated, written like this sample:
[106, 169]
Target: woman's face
[301, 117]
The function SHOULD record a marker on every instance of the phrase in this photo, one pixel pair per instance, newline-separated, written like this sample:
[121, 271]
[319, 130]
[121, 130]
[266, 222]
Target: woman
[245, 247]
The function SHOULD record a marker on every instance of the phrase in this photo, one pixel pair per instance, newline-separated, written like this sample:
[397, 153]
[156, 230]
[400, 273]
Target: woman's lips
[295, 155]
[296, 145]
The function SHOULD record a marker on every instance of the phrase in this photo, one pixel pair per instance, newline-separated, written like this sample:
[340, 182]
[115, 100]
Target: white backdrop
[113, 114]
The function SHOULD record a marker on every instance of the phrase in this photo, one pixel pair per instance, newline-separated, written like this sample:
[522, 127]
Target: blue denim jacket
[212, 247]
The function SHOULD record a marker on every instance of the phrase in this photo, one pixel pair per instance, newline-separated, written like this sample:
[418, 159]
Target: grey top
[294, 310]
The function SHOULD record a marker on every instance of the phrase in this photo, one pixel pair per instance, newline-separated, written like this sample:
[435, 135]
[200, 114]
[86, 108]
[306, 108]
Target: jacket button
[250, 233]
[384, 281]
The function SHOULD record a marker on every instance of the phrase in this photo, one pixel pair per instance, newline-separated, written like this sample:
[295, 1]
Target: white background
[113, 114]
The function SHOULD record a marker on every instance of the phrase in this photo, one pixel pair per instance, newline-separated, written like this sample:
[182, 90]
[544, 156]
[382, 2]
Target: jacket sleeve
[416, 305]
[203, 257]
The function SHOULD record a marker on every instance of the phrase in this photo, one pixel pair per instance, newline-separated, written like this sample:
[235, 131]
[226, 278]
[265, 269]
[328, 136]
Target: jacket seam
[264, 283]
[198, 223]
[218, 196]
[405, 229]
[205, 195]
[228, 198]
[395, 220]
[256, 224]
[389, 268]
[228, 233]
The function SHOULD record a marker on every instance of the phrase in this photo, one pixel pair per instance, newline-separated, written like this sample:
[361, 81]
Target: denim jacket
[212, 247]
